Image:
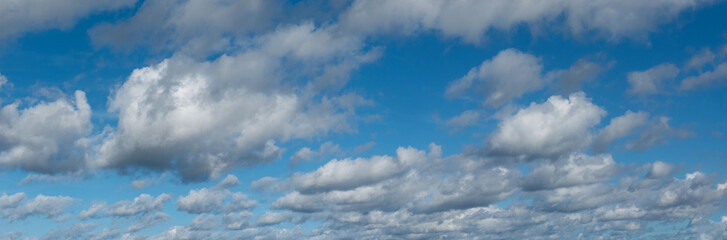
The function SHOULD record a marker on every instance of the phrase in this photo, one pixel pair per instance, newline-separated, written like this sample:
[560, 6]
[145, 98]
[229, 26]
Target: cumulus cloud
[20, 17]
[214, 116]
[507, 76]
[651, 81]
[547, 129]
[48, 137]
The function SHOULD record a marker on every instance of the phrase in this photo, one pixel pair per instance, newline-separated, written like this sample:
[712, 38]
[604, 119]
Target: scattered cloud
[652, 81]
[507, 76]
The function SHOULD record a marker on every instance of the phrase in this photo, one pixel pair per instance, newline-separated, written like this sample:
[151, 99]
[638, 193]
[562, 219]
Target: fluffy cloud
[47, 137]
[21, 17]
[508, 75]
[209, 200]
[652, 80]
[547, 129]
[214, 116]
[351, 173]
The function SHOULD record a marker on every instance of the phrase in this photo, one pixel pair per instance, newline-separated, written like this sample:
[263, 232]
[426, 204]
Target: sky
[363, 119]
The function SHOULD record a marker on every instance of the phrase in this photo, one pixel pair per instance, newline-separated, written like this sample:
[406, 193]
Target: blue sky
[363, 119]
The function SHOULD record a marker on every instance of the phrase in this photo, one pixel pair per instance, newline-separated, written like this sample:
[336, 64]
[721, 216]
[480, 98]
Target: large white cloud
[547, 129]
[204, 118]
[45, 137]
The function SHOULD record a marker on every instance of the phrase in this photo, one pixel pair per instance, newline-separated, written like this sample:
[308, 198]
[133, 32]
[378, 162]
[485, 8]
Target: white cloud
[468, 190]
[351, 173]
[471, 20]
[652, 80]
[619, 127]
[507, 76]
[13, 208]
[547, 129]
[230, 112]
[144, 203]
[209, 200]
[572, 170]
[273, 218]
[93, 210]
[47, 137]
[20, 17]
